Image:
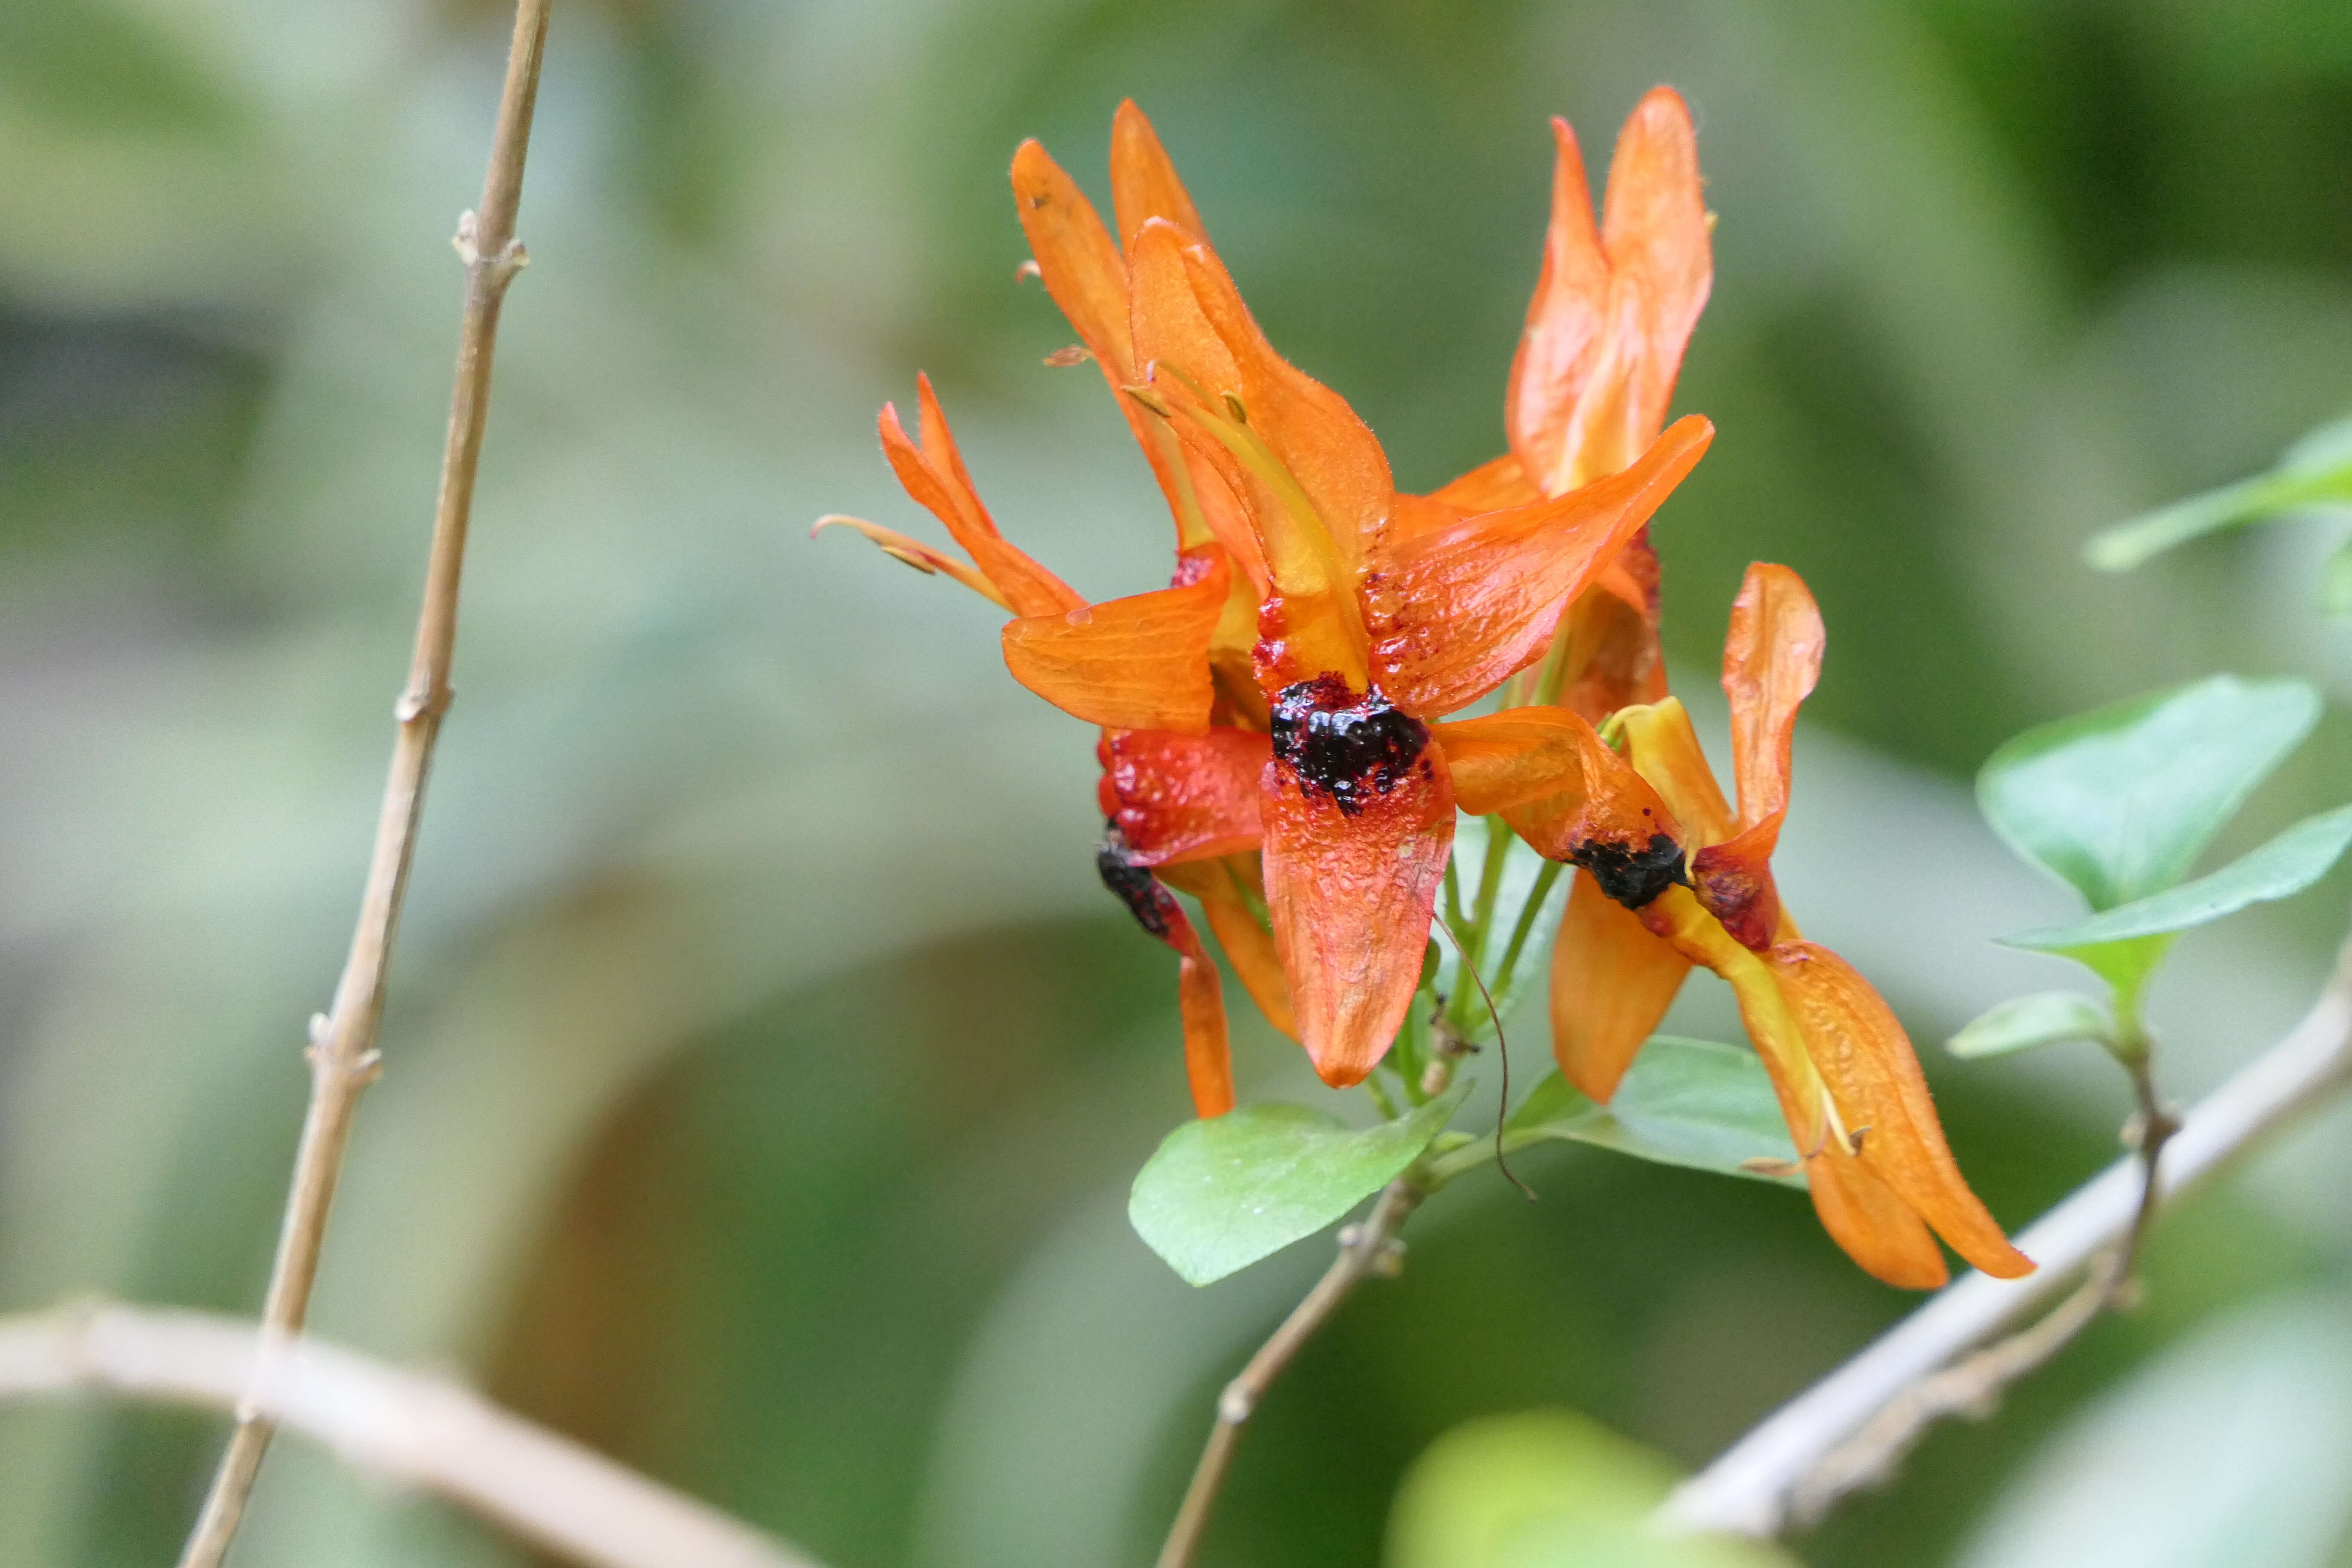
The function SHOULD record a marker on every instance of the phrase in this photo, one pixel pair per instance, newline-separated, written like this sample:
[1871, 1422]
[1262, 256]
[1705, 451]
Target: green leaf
[2027, 1022]
[2335, 582]
[1223, 1193]
[2316, 471]
[1547, 1488]
[2120, 801]
[1694, 1103]
[2285, 866]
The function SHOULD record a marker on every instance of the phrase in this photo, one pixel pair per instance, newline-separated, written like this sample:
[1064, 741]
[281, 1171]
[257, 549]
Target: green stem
[1546, 879]
[1463, 1006]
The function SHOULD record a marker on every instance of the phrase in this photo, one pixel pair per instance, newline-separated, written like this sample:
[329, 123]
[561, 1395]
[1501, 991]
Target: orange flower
[1283, 693]
[1876, 1159]
[1377, 612]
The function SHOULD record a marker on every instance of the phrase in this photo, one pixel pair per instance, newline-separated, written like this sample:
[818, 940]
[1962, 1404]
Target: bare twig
[343, 1053]
[1368, 1249]
[416, 1430]
[1754, 1487]
[1972, 1385]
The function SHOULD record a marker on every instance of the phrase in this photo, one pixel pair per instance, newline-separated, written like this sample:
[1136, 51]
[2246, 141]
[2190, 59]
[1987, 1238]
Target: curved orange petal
[1734, 881]
[1614, 307]
[1143, 182]
[1208, 1049]
[1358, 822]
[1873, 1077]
[1208, 1055]
[1137, 663]
[1874, 1227]
[1454, 612]
[1655, 228]
[1494, 486]
[1076, 259]
[1611, 981]
[1562, 335]
[1664, 750]
[935, 476]
[1771, 660]
[1677, 918]
[1567, 795]
[1871, 1221]
[1232, 891]
[1186, 797]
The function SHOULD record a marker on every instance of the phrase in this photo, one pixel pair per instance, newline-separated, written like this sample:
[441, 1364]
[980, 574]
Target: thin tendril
[1502, 1050]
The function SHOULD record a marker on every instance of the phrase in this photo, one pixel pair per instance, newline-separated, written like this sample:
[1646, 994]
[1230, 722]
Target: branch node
[433, 701]
[1236, 1404]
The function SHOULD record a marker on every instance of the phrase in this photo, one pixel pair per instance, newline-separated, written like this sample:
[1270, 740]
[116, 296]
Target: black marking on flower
[1633, 875]
[1337, 743]
[1153, 907]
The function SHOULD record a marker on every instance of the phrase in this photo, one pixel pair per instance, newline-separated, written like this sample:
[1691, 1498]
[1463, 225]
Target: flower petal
[1358, 822]
[1208, 1049]
[1874, 1222]
[935, 476]
[1567, 795]
[1613, 307]
[1612, 658]
[1186, 797]
[1454, 611]
[1493, 486]
[1771, 660]
[1874, 1227]
[1664, 750]
[1076, 259]
[1143, 182]
[1734, 881]
[1210, 337]
[1249, 946]
[1611, 981]
[1874, 1079]
[1208, 1057]
[1137, 663]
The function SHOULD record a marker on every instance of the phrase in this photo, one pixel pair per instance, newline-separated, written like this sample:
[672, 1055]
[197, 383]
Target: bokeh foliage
[765, 1072]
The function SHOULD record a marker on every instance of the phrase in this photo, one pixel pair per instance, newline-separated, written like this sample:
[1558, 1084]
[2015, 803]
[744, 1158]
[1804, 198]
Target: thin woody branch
[343, 1051]
[1370, 1248]
[1852, 1425]
[417, 1430]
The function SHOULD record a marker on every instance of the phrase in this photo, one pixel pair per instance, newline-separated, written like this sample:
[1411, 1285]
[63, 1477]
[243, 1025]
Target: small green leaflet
[2285, 866]
[1694, 1103]
[2316, 471]
[2120, 801]
[2027, 1022]
[1223, 1193]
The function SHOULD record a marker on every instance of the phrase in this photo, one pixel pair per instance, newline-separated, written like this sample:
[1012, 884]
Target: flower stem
[1370, 1248]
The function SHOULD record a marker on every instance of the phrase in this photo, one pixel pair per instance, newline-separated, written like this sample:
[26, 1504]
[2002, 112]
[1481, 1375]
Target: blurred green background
[765, 1067]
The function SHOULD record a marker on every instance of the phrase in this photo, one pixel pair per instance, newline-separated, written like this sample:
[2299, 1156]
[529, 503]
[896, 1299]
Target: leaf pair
[2118, 804]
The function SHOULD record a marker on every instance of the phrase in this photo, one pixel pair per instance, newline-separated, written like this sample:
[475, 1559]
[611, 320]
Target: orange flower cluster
[1274, 734]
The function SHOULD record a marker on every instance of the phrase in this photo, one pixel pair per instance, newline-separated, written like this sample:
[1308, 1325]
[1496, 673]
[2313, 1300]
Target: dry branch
[410, 1428]
[342, 1052]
